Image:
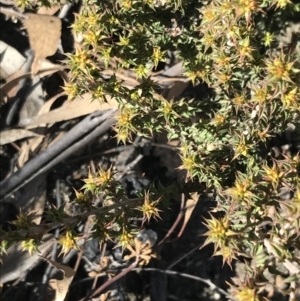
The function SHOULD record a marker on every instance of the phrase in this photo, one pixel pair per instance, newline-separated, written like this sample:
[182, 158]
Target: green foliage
[230, 45]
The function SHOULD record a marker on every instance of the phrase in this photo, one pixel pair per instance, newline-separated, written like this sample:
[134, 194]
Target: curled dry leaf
[11, 60]
[32, 144]
[79, 107]
[13, 135]
[17, 262]
[50, 11]
[141, 252]
[44, 34]
[189, 208]
[14, 79]
[62, 286]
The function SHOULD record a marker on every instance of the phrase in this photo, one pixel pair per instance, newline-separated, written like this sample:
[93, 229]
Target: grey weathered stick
[75, 139]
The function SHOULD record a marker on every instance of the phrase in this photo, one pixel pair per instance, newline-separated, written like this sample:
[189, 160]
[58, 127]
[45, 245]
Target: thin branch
[49, 268]
[44, 228]
[183, 257]
[12, 13]
[7, 2]
[129, 166]
[174, 273]
[178, 219]
[111, 281]
[85, 238]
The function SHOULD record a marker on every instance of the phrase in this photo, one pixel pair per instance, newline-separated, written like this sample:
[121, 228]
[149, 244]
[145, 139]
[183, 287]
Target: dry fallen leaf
[11, 60]
[17, 262]
[32, 144]
[189, 208]
[141, 251]
[15, 78]
[62, 286]
[78, 107]
[44, 34]
[50, 11]
[13, 135]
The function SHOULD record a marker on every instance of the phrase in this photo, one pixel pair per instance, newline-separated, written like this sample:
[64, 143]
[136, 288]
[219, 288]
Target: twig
[12, 13]
[121, 148]
[167, 79]
[7, 2]
[111, 281]
[85, 238]
[104, 246]
[178, 219]
[75, 283]
[65, 10]
[183, 257]
[44, 228]
[174, 273]
[54, 248]
[129, 166]
[121, 76]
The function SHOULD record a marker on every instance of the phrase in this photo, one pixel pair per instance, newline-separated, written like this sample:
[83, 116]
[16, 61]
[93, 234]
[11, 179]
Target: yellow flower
[104, 177]
[208, 40]
[124, 117]
[123, 134]
[268, 39]
[244, 49]
[157, 56]
[71, 89]
[90, 183]
[99, 93]
[218, 119]
[241, 190]
[246, 8]
[30, 245]
[239, 101]
[126, 4]
[246, 294]
[228, 253]
[295, 203]
[68, 242]
[281, 3]
[126, 238]
[80, 59]
[83, 200]
[242, 148]
[290, 99]
[91, 37]
[245, 291]
[202, 72]
[218, 231]
[209, 15]
[149, 208]
[142, 70]
[279, 68]
[273, 175]
[221, 59]
[189, 163]
[259, 94]
[24, 221]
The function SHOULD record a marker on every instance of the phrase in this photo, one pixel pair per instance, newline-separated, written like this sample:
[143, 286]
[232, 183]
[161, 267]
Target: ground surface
[155, 163]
